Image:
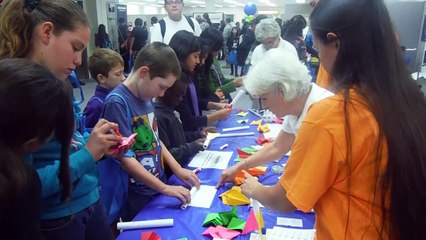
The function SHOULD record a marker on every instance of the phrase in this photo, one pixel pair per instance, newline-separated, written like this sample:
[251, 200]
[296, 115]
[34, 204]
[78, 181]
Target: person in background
[268, 32]
[102, 39]
[294, 35]
[138, 38]
[58, 32]
[130, 104]
[232, 45]
[359, 157]
[175, 21]
[203, 23]
[154, 20]
[48, 102]
[122, 41]
[287, 91]
[106, 67]
[247, 39]
[226, 33]
[187, 47]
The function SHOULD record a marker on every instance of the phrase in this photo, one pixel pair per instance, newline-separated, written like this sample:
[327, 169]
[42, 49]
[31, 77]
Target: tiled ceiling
[217, 3]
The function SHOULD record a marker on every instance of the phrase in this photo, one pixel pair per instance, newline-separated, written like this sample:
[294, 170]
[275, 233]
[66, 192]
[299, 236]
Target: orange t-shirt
[316, 174]
[323, 79]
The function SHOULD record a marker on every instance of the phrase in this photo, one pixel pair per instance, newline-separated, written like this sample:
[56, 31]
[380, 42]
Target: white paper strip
[168, 222]
[235, 128]
[237, 97]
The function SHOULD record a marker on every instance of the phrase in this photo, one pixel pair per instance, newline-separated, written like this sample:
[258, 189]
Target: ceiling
[217, 3]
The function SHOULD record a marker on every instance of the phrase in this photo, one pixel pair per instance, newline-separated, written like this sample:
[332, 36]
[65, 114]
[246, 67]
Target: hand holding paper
[249, 186]
[188, 177]
[125, 143]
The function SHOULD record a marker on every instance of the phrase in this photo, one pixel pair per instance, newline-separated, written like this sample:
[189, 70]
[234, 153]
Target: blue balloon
[250, 8]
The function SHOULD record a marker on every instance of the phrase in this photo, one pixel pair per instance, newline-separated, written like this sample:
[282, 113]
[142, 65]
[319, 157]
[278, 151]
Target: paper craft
[182, 238]
[211, 159]
[262, 140]
[212, 219]
[192, 193]
[251, 224]
[243, 154]
[257, 122]
[221, 232]
[236, 224]
[234, 197]
[258, 214]
[226, 217]
[256, 171]
[242, 121]
[150, 236]
[252, 200]
[168, 222]
[263, 128]
[274, 130]
[235, 128]
[242, 114]
[124, 143]
[211, 136]
[223, 146]
[277, 120]
[203, 197]
[291, 222]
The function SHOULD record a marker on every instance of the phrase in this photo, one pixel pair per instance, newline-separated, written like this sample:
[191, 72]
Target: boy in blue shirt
[155, 69]
[106, 67]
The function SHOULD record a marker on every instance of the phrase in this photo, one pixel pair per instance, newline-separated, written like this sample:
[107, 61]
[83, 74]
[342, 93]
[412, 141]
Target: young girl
[47, 107]
[212, 80]
[54, 33]
[187, 47]
[359, 156]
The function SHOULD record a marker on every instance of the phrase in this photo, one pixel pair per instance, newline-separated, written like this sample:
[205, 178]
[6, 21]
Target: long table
[188, 223]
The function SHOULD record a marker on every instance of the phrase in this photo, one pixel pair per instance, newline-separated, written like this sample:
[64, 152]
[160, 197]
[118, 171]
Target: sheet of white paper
[291, 222]
[211, 159]
[274, 129]
[279, 233]
[203, 197]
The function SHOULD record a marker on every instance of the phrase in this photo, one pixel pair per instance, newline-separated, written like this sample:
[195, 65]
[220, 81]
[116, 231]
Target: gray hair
[281, 71]
[267, 28]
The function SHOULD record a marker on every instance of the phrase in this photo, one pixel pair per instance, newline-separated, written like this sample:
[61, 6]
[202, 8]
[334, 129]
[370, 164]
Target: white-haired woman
[268, 32]
[287, 91]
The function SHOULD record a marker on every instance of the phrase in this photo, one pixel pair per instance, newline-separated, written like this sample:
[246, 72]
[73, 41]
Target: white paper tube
[206, 143]
[236, 134]
[168, 222]
[235, 128]
[237, 97]
[192, 192]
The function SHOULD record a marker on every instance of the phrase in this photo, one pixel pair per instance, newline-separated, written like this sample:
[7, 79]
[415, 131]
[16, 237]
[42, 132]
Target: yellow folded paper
[234, 197]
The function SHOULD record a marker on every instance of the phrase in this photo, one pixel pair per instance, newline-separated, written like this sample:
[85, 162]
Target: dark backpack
[163, 25]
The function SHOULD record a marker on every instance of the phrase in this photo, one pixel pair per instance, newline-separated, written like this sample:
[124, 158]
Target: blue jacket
[83, 172]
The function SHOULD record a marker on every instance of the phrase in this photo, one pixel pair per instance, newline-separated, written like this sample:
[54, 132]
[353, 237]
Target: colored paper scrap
[263, 128]
[238, 159]
[242, 114]
[236, 224]
[251, 224]
[242, 121]
[184, 238]
[124, 143]
[234, 197]
[249, 150]
[277, 120]
[150, 236]
[243, 154]
[262, 140]
[257, 122]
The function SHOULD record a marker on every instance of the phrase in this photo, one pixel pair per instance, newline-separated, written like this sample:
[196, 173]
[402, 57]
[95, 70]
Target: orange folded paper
[256, 171]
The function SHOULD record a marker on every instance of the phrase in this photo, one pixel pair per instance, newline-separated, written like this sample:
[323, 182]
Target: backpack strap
[129, 118]
[191, 23]
[162, 27]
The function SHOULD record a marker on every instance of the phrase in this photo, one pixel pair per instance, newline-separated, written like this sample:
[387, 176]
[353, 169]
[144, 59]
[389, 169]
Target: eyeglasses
[174, 2]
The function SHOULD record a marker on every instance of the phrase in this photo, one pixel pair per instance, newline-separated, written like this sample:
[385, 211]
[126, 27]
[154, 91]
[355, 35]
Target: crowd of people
[358, 157]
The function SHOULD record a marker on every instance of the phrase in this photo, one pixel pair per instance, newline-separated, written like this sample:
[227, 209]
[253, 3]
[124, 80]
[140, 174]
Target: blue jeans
[88, 224]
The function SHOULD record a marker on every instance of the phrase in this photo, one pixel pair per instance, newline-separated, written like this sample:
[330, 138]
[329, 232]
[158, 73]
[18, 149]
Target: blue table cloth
[188, 223]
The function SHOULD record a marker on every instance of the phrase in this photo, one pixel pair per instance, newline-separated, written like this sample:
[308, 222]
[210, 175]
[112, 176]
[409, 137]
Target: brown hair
[18, 20]
[102, 61]
[160, 59]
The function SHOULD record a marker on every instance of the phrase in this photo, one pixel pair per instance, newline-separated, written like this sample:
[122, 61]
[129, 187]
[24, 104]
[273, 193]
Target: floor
[90, 86]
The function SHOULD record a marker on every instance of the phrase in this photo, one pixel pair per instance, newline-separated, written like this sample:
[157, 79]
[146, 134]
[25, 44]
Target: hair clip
[31, 4]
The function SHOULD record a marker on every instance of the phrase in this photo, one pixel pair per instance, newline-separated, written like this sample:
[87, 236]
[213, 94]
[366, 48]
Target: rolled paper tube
[235, 128]
[192, 192]
[237, 97]
[207, 143]
[236, 134]
[168, 222]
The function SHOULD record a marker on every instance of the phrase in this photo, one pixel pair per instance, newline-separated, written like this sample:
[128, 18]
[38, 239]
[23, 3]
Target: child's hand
[178, 191]
[207, 130]
[100, 140]
[221, 114]
[238, 82]
[219, 93]
[188, 177]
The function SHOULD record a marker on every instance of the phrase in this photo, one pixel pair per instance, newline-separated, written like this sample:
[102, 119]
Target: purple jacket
[93, 109]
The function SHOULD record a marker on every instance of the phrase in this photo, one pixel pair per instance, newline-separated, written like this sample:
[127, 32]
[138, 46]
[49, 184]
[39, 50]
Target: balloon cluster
[250, 10]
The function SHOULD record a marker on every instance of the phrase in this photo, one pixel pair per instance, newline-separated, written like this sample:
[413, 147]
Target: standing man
[175, 21]
[226, 33]
[138, 38]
